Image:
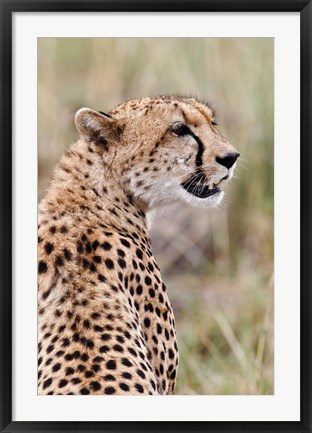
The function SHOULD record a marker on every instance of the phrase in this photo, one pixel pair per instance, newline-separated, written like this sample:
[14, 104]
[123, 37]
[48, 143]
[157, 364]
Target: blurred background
[217, 265]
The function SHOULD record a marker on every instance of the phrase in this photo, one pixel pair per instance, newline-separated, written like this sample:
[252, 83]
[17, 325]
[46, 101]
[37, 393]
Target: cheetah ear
[97, 127]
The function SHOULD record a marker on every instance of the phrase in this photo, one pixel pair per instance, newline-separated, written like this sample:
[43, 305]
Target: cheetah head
[163, 149]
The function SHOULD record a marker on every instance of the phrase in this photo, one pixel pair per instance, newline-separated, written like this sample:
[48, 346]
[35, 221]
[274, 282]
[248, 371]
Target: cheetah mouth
[199, 190]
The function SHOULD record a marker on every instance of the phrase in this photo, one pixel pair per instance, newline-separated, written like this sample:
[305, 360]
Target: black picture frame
[7, 9]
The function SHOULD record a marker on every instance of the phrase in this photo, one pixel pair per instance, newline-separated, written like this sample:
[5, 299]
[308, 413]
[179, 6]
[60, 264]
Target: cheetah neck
[84, 184]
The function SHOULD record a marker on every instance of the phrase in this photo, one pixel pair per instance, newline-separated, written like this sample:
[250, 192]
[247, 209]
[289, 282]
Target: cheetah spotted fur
[106, 324]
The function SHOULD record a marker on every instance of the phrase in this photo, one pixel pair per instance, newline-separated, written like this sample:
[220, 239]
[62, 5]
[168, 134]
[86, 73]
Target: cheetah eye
[181, 129]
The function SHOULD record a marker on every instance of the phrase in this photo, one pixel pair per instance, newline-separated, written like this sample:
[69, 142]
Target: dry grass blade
[236, 349]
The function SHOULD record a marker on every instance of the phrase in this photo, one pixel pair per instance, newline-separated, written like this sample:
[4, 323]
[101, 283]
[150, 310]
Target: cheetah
[106, 325]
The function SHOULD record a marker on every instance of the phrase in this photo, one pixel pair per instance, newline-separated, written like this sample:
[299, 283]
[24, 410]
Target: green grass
[225, 339]
[218, 265]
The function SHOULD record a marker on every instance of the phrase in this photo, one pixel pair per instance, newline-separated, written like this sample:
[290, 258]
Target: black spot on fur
[147, 322]
[50, 348]
[148, 281]
[96, 368]
[139, 254]
[125, 243]
[47, 383]
[75, 380]
[122, 263]
[124, 387]
[118, 348]
[111, 364]
[139, 388]
[48, 248]
[46, 294]
[84, 391]
[109, 378]
[139, 289]
[141, 374]
[97, 259]
[106, 246]
[56, 367]
[109, 390]
[109, 264]
[67, 254]
[42, 267]
[126, 362]
[101, 278]
[95, 386]
[59, 261]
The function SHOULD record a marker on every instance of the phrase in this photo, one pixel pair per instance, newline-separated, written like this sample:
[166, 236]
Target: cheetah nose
[228, 160]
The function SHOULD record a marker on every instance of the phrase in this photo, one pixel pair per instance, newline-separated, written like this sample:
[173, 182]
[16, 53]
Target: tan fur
[106, 325]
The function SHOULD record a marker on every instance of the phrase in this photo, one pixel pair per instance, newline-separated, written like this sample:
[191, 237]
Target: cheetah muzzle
[106, 325]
